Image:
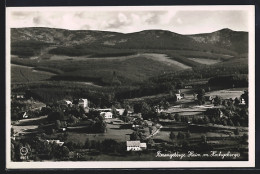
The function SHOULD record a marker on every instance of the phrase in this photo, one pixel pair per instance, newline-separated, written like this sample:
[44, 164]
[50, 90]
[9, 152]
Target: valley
[101, 91]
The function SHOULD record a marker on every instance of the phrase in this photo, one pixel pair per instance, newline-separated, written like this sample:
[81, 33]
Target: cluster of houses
[18, 96]
[107, 113]
[60, 143]
[80, 102]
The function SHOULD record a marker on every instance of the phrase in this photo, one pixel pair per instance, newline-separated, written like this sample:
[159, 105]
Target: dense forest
[124, 78]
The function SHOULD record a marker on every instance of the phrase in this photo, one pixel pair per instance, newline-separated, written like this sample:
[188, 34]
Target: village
[72, 130]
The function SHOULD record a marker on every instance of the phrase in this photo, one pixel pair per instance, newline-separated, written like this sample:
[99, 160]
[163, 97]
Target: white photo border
[138, 164]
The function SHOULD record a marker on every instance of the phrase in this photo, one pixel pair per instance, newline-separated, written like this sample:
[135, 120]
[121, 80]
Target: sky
[127, 20]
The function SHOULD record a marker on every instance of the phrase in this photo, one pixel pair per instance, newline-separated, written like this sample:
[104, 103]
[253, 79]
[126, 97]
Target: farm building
[83, 102]
[135, 146]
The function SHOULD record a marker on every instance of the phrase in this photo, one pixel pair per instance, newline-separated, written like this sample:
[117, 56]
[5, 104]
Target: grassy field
[165, 59]
[205, 55]
[26, 126]
[128, 71]
[205, 61]
[228, 93]
[113, 132]
[164, 135]
[131, 69]
[27, 74]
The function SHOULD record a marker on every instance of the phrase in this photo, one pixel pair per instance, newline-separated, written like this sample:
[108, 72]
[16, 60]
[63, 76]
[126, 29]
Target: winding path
[156, 132]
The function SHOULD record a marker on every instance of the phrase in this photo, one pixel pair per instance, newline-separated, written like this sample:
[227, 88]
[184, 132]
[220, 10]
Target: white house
[120, 111]
[107, 113]
[23, 115]
[55, 141]
[178, 96]
[68, 102]
[133, 146]
[143, 146]
[83, 102]
[242, 101]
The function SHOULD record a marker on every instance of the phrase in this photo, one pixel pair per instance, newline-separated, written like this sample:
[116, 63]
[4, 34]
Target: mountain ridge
[225, 41]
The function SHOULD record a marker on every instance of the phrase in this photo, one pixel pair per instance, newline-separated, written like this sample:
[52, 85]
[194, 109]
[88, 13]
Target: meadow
[101, 71]
[205, 61]
[23, 74]
[228, 93]
[113, 132]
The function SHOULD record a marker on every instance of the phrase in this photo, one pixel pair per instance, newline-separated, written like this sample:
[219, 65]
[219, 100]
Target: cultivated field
[165, 59]
[227, 93]
[26, 126]
[113, 132]
[205, 61]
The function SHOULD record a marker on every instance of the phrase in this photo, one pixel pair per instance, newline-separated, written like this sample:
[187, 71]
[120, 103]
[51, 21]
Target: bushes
[27, 48]
[106, 146]
[229, 81]
[236, 132]
[56, 115]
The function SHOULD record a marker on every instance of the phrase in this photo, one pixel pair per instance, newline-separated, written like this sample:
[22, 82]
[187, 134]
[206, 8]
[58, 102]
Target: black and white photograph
[130, 86]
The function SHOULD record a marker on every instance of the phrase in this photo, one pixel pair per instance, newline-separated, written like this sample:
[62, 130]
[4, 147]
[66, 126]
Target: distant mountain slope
[223, 41]
[58, 36]
[234, 40]
[84, 55]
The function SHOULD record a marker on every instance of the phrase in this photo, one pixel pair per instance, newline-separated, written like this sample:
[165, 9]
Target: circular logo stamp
[24, 151]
